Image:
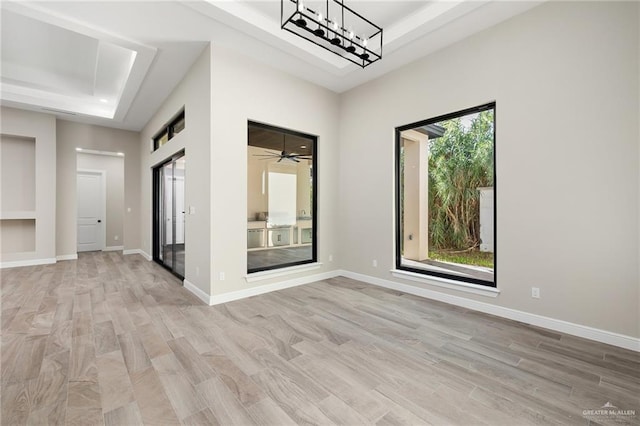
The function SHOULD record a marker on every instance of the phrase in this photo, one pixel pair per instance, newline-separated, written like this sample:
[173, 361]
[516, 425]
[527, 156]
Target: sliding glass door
[169, 214]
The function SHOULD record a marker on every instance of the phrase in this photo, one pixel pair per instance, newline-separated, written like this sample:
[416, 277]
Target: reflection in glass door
[169, 214]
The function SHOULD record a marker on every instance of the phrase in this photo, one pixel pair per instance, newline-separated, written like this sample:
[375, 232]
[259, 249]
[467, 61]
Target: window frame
[314, 200]
[398, 226]
[168, 129]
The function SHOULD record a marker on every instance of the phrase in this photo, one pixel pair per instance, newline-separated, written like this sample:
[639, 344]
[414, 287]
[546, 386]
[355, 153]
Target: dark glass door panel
[169, 214]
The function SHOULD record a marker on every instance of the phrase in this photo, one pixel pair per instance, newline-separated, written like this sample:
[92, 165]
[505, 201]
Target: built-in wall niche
[18, 235]
[18, 186]
[18, 177]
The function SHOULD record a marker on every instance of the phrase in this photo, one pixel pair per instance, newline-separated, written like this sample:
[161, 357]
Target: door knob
[99, 221]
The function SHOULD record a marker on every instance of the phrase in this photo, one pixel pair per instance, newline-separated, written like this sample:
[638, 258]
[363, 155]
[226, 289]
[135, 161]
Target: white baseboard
[113, 248]
[30, 262]
[603, 336]
[197, 292]
[268, 288]
[280, 272]
[137, 251]
[73, 256]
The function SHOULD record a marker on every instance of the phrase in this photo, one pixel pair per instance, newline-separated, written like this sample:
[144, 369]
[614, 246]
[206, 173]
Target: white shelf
[18, 214]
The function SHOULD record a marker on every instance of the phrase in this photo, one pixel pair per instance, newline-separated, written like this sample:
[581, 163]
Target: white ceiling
[114, 63]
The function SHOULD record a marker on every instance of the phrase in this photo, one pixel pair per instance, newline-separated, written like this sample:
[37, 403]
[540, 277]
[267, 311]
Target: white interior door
[91, 201]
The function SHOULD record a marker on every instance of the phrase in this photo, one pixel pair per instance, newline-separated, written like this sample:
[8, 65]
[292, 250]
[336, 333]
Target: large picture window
[281, 198]
[445, 196]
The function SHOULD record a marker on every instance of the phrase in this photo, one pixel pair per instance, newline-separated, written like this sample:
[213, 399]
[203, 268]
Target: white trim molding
[599, 335]
[603, 336]
[137, 251]
[30, 262]
[197, 292]
[268, 288]
[113, 248]
[73, 256]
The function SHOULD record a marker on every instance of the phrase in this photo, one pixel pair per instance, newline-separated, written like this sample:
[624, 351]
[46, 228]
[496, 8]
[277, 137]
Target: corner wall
[194, 95]
[41, 127]
[565, 79]
[243, 89]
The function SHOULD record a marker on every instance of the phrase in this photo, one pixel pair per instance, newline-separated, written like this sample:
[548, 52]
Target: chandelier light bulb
[335, 25]
[300, 6]
[319, 31]
[364, 42]
[351, 35]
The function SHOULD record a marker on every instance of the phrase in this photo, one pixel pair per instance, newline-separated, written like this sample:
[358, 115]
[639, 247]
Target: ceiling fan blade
[281, 158]
[266, 155]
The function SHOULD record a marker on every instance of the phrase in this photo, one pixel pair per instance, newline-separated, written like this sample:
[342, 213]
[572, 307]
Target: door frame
[103, 202]
[155, 212]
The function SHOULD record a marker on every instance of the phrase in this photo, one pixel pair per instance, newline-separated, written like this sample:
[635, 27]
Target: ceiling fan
[284, 155]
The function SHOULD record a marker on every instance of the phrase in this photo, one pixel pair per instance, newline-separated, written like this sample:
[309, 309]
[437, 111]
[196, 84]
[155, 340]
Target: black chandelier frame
[341, 41]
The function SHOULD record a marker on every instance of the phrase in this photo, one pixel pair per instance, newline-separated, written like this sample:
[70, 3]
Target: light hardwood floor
[116, 340]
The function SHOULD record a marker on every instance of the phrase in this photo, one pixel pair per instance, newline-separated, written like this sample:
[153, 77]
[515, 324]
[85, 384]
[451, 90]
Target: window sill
[446, 283]
[266, 275]
[18, 215]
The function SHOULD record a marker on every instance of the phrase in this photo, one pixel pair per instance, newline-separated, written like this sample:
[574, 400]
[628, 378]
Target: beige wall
[565, 79]
[115, 210]
[18, 173]
[638, 143]
[71, 135]
[243, 89]
[42, 127]
[192, 94]
[18, 194]
[17, 237]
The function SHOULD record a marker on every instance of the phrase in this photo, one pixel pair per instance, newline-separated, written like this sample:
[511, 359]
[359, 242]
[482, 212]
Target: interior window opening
[281, 198]
[445, 180]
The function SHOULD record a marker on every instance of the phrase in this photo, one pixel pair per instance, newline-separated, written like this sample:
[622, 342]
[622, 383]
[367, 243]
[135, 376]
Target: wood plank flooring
[113, 340]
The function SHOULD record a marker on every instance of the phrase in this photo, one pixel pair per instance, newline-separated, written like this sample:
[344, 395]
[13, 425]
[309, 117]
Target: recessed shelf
[18, 236]
[18, 173]
[18, 189]
[17, 215]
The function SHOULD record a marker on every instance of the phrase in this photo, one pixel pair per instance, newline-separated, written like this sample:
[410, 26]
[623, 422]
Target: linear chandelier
[334, 27]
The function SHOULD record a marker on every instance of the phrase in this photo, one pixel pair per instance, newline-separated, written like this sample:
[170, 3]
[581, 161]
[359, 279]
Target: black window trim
[398, 225]
[168, 128]
[314, 188]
